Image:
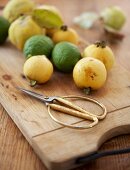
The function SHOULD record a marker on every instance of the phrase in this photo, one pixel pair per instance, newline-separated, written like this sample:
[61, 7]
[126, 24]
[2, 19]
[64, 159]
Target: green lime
[38, 45]
[4, 26]
[65, 55]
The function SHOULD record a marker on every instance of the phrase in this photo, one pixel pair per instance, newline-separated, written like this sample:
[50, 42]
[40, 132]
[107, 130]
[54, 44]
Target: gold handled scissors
[65, 106]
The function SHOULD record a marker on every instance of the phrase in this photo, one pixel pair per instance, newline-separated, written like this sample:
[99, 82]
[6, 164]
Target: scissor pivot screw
[46, 97]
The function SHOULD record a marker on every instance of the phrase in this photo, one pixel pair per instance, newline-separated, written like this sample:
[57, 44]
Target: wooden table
[15, 152]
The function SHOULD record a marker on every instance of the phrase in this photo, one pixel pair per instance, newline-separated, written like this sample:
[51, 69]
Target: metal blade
[34, 94]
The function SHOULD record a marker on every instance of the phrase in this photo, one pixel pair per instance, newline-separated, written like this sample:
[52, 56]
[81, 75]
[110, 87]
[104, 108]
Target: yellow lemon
[15, 8]
[65, 34]
[22, 29]
[38, 69]
[101, 52]
[89, 73]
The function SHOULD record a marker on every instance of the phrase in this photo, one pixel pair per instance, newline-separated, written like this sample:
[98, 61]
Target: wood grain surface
[16, 152]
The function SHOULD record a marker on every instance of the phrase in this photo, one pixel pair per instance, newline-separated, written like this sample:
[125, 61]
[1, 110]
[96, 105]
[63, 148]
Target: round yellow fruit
[65, 34]
[101, 52]
[15, 8]
[89, 73]
[22, 29]
[38, 69]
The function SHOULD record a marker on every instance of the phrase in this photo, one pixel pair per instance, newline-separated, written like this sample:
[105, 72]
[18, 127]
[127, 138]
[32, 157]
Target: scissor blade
[31, 93]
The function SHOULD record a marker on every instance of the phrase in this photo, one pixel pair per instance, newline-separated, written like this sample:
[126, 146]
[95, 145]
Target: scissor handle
[71, 112]
[76, 107]
[77, 111]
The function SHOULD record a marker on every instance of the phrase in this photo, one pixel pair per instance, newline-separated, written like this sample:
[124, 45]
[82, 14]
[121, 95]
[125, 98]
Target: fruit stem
[64, 28]
[87, 90]
[33, 83]
[101, 44]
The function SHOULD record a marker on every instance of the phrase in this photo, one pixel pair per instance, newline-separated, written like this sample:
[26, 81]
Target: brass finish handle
[70, 111]
[102, 116]
[66, 110]
[75, 107]
[75, 110]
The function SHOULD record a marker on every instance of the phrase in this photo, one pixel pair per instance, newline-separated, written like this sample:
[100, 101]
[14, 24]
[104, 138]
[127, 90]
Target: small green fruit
[47, 16]
[113, 17]
[4, 26]
[38, 45]
[65, 55]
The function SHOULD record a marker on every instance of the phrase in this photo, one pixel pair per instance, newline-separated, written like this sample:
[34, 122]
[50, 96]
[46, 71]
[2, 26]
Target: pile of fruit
[47, 43]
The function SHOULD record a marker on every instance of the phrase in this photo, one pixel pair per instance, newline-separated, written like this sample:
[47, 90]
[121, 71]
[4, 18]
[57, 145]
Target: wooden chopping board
[60, 147]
